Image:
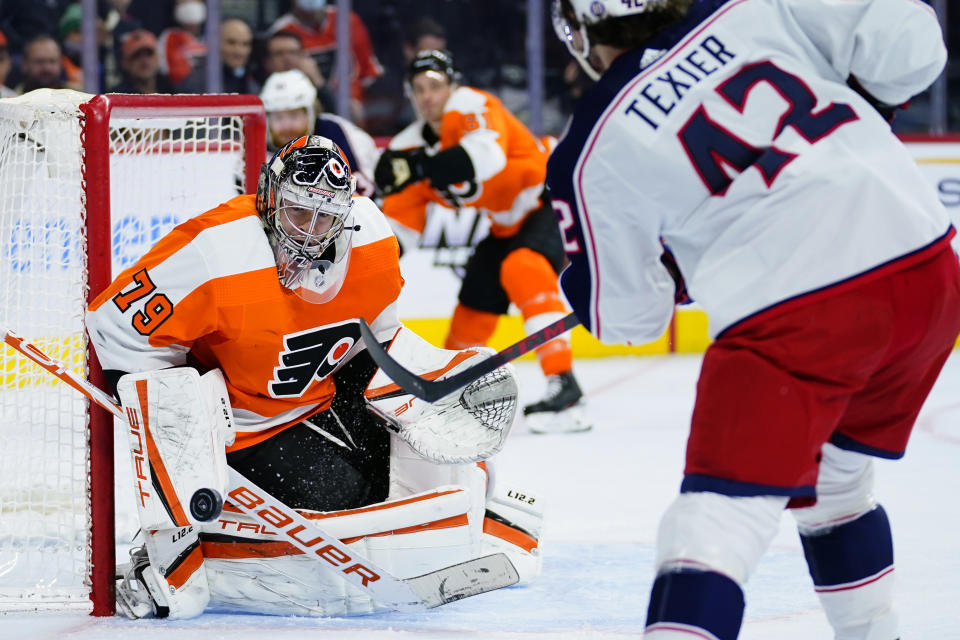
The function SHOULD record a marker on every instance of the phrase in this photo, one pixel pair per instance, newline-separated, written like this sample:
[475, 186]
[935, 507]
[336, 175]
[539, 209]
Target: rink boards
[430, 271]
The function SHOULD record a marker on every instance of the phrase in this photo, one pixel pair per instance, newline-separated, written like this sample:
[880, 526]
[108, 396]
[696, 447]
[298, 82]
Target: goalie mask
[305, 198]
[571, 17]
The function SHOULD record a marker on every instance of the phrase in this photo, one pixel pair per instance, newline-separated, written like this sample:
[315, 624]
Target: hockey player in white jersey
[294, 110]
[749, 138]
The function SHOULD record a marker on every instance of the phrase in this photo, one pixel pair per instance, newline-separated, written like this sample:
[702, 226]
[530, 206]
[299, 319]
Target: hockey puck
[206, 505]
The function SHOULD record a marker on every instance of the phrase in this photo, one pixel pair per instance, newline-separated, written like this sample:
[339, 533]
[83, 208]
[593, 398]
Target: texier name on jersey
[657, 98]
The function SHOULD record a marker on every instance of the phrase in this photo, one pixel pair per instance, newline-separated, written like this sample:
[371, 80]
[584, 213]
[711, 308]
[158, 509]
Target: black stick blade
[433, 390]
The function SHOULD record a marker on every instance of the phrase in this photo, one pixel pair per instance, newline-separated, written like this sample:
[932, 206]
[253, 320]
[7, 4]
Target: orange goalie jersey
[207, 295]
[509, 163]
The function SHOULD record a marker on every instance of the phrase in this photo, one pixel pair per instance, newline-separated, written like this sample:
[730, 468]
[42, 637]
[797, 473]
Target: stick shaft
[433, 390]
[82, 385]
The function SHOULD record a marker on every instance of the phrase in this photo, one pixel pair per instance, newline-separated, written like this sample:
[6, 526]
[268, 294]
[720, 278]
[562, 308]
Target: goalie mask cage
[87, 185]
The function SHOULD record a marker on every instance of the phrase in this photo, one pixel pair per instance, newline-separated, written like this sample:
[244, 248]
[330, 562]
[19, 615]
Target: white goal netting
[163, 170]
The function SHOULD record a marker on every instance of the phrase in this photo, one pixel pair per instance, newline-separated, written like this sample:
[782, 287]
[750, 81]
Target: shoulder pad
[467, 100]
[410, 137]
[372, 222]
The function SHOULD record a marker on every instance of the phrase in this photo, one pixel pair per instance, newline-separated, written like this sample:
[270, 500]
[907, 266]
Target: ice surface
[605, 491]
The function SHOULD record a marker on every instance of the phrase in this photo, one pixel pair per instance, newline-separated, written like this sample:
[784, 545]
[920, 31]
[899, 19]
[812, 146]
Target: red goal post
[87, 184]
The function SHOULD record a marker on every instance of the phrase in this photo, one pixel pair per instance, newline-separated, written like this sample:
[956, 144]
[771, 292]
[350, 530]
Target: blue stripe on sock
[704, 599]
[851, 551]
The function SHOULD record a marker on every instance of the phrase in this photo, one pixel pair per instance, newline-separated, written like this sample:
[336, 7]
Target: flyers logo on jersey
[463, 192]
[311, 355]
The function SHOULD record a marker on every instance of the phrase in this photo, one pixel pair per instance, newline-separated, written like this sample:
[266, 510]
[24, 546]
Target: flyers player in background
[466, 149]
[267, 289]
[751, 138]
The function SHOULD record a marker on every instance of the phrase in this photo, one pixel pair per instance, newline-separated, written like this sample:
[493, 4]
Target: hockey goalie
[234, 346]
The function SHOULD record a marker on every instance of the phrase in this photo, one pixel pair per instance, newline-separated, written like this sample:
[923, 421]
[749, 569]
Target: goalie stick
[427, 591]
[432, 390]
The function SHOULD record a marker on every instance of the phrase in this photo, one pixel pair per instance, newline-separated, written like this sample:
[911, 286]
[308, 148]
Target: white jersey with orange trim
[208, 295]
[509, 164]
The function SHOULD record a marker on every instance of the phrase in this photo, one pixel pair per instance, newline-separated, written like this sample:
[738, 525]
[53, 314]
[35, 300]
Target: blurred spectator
[5, 91]
[285, 52]
[71, 41]
[236, 43]
[23, 20]
[315, 22]
[117, 21]
[423, 35]
[153, 15]
[41, 66]
[140, 64]
[181, 51]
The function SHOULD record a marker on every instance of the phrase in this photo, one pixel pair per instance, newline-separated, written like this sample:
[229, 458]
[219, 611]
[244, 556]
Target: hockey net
[87, 185]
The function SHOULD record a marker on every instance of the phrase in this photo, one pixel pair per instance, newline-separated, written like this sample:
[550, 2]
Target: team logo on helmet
[597, 8]
[335, 173]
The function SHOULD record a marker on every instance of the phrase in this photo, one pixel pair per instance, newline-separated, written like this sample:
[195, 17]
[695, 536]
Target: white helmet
[285, 90]
[305, 198]
[590, 12]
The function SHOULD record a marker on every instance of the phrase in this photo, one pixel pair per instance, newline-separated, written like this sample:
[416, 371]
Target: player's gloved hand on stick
[398, 168]
[680, 295]
[887, 111]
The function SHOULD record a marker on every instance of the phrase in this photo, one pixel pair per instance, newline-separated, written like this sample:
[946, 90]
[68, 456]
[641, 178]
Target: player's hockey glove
[887, 111]
[399, 168]
[680, 295]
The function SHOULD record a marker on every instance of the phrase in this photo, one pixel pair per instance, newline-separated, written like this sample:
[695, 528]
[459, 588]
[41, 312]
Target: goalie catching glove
[469, 425]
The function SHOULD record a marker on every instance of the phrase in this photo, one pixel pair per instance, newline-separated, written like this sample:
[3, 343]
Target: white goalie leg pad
[714, 532]
[411, 474]
[250, 570]
[179, 425]
[512, 524]
[469, 425]
[166, 578]
[503, 519]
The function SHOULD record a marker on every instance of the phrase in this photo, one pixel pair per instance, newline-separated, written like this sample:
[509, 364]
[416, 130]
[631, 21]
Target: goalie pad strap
[176, 575]
[184, 565]
[499, 527]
